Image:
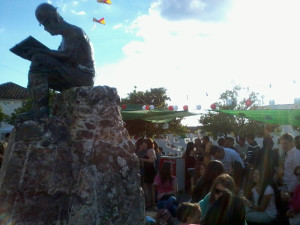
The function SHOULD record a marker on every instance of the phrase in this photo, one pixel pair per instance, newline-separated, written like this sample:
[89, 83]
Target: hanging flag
[102, 21]
[104, 1]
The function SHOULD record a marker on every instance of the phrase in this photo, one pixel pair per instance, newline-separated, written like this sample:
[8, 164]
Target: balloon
[147, 107]
[151, 107]
[272, 102]
[175, 107]
[198, 107]
[185, 108]
[297, 101]
[228, 102]
[213, 106]
[248, 102]
[123, 106]
[170, 108]
[144, 107]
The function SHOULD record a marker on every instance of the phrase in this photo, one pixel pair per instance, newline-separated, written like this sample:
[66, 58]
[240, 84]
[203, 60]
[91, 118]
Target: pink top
[295, 201]
[166, 187]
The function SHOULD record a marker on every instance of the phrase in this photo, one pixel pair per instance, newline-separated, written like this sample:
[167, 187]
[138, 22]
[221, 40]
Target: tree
[221, 124]
[26, 106]
[2, 115]
[156, 97]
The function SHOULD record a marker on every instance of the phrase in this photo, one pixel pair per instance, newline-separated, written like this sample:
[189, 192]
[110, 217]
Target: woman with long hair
[262, 208]
[222, 184]
[149, 169]
[213, 169]
[189, 164]
[227, 210]
[166, 188]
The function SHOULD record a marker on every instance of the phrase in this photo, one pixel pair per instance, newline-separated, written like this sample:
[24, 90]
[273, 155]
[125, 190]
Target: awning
[276, 116]
[155, 115]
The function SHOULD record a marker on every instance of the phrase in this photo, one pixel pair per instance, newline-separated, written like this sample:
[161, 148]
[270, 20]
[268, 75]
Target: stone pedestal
[77, 167]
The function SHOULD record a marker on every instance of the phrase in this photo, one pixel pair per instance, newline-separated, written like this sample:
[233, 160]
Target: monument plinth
[76, 167]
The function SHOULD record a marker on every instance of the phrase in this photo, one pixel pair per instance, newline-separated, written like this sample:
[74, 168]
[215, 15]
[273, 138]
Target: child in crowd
[188, 213]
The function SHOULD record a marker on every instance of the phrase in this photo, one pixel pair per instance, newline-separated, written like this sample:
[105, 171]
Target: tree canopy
[221, 124]
[158, 98]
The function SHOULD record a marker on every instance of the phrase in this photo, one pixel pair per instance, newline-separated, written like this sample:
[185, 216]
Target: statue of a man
[72, 65]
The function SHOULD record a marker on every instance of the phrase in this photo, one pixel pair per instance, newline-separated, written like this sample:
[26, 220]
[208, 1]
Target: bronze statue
[72, 65]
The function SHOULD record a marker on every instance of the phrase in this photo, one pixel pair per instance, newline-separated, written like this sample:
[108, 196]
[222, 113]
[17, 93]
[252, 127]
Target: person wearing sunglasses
[294, 208]
[224, 183]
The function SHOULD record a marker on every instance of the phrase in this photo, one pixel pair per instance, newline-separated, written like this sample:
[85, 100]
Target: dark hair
[187, 209]
[46, 9]
[205, 138]
[156, 149]
[226, 180]
[149, 142]
[214, 149]
[288, 137]
[251, 136]
[268, 143]
[165, 172]
[265, 179]
[164, 217]
[138, 144]
[221, 141]
[189, 148]
[227, 210]
[296, 168]
[213, 169]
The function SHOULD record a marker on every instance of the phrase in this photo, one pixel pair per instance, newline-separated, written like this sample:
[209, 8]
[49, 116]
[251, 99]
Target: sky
[196, 49]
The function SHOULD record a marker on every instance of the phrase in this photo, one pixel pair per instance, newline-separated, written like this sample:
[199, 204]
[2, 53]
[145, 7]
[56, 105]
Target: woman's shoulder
[269, 190]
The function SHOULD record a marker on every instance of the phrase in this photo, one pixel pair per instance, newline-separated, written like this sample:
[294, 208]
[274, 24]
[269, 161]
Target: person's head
[148, 143]
[268, 143]
[189, 149]
[213, 169]
[227, 210]
[138, 144]
[286, 142]
[297, 172]
[6, 137]
[164, 217]
[205, 139]
[229, 142]
[198, 143]
[250, 138]
[217, 152]
[222, 184]
[188, 213]
[242, 141]
[221, 141]
[165, 171]
[47, 16]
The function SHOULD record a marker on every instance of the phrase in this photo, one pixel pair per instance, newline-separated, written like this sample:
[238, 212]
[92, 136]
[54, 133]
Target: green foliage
[158, 98]
[25, 107]
[2, 115]
[221, 124]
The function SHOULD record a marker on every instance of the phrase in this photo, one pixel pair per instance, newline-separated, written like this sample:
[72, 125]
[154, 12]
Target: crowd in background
[227, 183]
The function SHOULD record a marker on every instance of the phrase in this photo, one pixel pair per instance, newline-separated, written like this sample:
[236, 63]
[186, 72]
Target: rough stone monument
[76, 166]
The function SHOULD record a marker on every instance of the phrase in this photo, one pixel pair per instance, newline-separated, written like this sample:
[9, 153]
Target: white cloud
[254, 47]
[75, 3]
[80, 13]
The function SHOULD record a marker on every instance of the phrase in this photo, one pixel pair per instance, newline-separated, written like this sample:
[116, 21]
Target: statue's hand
[30, 51]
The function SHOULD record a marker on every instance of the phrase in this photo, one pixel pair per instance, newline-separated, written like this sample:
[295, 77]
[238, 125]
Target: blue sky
[189, 47]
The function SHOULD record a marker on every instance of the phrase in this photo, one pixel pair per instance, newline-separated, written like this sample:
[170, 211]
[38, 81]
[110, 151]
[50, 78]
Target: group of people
[233, 184]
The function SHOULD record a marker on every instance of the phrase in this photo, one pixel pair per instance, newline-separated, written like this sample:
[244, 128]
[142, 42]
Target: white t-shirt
[271, 208]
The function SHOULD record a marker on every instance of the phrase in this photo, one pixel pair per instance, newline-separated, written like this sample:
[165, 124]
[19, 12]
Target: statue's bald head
[46, 10]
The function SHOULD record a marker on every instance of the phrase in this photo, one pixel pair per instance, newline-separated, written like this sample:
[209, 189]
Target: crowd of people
[229, 184]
